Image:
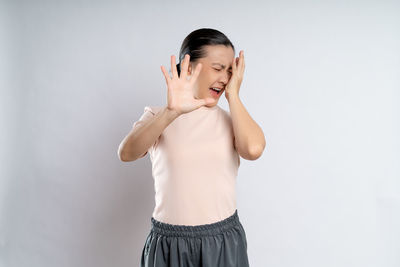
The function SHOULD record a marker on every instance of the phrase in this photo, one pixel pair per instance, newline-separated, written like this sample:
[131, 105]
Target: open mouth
[214, 91]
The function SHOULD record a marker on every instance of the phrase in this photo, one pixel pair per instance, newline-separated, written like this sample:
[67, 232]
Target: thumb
[209, 100]
[206, 101]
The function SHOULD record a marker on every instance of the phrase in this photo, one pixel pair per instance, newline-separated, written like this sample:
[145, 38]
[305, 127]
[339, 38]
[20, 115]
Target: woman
[194, 147]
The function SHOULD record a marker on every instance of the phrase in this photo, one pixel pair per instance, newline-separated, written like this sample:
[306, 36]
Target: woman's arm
[140, 138]
[249, 137]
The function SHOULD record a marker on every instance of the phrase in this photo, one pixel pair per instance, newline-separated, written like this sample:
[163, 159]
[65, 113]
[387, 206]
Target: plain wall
[321, 79]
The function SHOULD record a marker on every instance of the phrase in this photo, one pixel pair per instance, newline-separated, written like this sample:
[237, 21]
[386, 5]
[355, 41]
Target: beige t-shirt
[194, 167]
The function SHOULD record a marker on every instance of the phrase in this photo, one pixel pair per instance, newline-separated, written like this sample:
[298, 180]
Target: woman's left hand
[233, 86]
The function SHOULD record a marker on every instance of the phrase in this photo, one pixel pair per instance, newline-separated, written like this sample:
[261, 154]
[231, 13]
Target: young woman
[194, 146]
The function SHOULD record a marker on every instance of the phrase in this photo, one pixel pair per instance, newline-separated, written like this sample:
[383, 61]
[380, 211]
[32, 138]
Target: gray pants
[219, 244]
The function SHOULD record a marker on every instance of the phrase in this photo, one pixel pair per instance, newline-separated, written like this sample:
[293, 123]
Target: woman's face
[216, 71]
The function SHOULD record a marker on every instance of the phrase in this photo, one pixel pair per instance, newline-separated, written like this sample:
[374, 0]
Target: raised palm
[180, 89]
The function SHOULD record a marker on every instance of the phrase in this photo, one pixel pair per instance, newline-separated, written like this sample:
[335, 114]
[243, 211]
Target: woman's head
[215, 52]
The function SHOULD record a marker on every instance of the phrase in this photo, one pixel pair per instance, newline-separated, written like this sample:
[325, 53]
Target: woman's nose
[225, 78]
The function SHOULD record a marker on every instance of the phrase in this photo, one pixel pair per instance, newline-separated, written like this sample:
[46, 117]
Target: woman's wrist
[170, 114]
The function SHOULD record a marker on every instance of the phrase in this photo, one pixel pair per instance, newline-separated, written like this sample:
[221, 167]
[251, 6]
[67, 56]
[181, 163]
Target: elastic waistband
[195, 230]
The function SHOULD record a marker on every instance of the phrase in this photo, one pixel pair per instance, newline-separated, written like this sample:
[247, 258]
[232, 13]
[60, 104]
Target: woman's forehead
[221, 55]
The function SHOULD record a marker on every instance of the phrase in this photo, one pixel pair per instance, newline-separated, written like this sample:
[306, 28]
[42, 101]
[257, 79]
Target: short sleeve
[148, 113]
[228, 117]
[234, 145]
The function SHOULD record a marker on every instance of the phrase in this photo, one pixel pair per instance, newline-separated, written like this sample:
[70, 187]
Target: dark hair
[194, 44]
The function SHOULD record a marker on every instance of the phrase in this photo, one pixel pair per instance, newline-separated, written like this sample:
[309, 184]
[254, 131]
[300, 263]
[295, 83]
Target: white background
[322, 79]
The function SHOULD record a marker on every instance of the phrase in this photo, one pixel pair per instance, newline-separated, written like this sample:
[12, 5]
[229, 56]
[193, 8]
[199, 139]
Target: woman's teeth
[214, 92]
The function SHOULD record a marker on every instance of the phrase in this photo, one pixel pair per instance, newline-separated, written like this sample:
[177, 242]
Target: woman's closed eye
[220, 70]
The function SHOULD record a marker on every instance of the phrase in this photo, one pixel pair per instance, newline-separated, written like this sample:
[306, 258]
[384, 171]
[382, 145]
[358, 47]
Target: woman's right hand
[180, 89]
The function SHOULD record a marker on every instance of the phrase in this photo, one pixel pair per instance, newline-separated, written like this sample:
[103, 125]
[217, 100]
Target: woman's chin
[212, 104]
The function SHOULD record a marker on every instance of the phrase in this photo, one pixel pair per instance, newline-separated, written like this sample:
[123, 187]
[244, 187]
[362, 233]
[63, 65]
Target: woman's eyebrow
[222, 65]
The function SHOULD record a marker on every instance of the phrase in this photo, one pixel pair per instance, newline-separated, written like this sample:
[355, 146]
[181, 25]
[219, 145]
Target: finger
[174, 71]
[166, 75]
[234, 65]
[241, 66]
[242, 59]
[209, 100]
[237, 61]
[184, 67]
[196, 72]
[206, 101]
